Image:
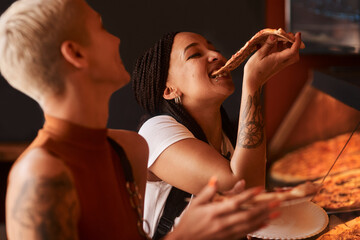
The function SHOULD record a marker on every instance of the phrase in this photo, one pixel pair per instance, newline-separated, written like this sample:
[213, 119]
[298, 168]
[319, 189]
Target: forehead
[88, 12]
[183, 39]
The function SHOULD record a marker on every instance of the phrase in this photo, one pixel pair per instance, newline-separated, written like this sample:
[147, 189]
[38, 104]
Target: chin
[230, 87]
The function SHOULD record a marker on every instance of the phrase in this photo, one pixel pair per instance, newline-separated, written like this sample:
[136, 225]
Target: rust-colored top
[105, 210]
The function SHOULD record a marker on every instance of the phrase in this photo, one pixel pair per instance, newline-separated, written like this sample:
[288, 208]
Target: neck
[80, 105]
[210, 121]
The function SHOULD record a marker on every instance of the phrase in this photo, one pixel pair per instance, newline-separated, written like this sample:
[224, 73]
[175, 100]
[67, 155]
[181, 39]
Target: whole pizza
[346, 231]
[340, 191]
[314, 160]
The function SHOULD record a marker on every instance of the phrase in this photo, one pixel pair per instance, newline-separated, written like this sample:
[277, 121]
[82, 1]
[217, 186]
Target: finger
[234, 204]
[238, 188]
[290, 55]
[268, 45]
[253, 219]
[291, 34]
[241, 223]
[297, 43]
[207, 193]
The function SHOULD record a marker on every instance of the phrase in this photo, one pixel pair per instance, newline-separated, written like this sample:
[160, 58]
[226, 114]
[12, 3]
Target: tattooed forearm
[251, 132]
[47, 207]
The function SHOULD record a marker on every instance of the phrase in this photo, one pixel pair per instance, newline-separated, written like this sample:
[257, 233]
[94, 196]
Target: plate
[297, 221]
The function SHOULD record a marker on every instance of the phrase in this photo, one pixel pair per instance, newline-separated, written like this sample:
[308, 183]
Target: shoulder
[39, 184]
[136, 150]
[160, 121]
[162, 126]
[132, 142]
[37, 162]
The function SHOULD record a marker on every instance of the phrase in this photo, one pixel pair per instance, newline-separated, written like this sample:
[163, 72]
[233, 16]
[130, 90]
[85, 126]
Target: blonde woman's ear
[73, 54]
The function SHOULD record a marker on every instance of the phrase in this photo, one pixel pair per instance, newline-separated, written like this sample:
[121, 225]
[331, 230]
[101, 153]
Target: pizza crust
[251, 46]
[289, 193]
[307, 189]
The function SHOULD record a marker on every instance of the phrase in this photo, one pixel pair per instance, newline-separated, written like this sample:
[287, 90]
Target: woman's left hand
[270, 59]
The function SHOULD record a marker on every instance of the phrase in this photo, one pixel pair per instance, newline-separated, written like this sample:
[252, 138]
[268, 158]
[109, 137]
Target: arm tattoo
[47, 206]
[251, 133]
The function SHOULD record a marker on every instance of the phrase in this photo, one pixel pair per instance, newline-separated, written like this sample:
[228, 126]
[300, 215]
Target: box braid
[149, 82]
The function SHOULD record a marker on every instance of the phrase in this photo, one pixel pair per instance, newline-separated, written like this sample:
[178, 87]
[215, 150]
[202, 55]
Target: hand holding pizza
[270, 59]
[226, 219]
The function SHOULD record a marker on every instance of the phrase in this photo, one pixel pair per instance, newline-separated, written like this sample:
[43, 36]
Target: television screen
[326, 26]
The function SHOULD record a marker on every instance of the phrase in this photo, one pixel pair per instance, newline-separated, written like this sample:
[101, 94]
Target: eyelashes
[193, 56]
[199, 54]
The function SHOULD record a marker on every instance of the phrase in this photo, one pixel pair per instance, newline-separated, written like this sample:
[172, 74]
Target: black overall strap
[123, 160]
[175, 205]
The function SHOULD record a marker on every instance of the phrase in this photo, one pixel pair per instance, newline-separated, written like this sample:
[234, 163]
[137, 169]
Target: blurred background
[228, 24]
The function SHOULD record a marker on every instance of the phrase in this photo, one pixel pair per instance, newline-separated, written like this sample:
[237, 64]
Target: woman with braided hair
[189, 135]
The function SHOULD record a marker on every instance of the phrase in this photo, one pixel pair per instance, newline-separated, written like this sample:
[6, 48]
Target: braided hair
[149, 82]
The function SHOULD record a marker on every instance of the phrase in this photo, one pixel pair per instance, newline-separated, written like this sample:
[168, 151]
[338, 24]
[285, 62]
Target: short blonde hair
[31, 34]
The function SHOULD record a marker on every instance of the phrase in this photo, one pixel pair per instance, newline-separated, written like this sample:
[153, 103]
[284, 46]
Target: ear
[170, 93]
[74, 54]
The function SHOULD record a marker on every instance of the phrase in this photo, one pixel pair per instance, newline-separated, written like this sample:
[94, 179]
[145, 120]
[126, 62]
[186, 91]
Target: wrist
[251, 84]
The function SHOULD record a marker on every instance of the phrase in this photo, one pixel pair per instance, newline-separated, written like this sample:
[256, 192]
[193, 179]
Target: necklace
[223, 149]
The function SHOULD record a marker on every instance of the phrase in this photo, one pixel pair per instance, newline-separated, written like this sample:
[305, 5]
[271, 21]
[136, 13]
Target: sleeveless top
[105, 210]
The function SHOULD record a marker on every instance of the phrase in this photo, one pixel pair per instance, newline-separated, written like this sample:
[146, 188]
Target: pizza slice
[285, 195]
[307, 189]
[251, 46]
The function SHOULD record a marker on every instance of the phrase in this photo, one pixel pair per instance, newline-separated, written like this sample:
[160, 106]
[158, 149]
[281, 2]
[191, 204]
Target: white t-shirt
[160, 132]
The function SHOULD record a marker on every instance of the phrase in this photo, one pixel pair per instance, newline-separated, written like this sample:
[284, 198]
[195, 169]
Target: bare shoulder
[41, 199]
[132, 142]
[137, 151]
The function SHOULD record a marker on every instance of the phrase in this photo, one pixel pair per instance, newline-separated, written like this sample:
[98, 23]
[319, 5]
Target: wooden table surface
[9, 152]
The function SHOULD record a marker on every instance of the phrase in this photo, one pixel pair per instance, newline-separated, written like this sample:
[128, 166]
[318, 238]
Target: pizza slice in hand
[285, 195]
[250, 46]
[307, 189]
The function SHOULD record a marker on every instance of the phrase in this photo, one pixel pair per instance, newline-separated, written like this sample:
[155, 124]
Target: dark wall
[228, 24]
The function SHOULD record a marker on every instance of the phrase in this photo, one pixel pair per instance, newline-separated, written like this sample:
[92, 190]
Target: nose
[214, 56]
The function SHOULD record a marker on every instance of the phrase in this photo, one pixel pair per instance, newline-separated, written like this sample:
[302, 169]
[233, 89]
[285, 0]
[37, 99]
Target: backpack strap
[175, 205]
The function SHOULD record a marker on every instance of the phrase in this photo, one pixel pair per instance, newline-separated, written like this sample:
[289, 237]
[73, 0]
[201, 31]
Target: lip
[225, 75]
[216, 67]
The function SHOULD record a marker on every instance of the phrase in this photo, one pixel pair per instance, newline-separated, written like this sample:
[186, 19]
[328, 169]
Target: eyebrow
[195, 44]
[189, 46]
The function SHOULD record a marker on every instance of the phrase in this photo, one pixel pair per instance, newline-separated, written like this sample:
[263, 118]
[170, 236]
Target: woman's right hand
[270, 59]
[227, 219]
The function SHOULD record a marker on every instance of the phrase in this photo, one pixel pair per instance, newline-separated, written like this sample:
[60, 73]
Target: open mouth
[224, 74]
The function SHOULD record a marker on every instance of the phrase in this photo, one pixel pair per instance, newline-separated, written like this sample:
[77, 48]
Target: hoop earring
[177, 100]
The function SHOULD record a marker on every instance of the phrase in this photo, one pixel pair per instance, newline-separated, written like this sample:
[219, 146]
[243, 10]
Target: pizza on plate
[340, 191]
[345, 231]
[258, 39]
[314, 160]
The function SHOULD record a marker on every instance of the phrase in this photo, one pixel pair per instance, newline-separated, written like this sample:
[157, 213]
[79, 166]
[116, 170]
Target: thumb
[207, 193]
[268, 45]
